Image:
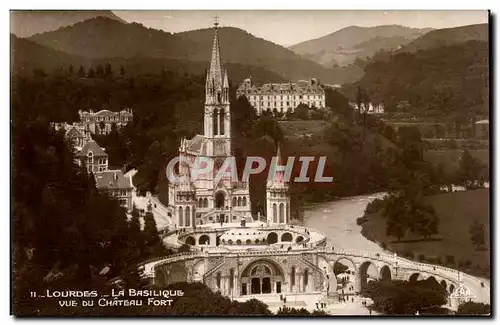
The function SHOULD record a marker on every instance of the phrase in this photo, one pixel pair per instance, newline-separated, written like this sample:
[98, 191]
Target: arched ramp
[385, 274]
[286, 237]
[272, 238]
[204, 240]
[191, 241]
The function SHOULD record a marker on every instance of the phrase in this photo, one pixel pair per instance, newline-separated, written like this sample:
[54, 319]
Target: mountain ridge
[26, 23]
[101, 37]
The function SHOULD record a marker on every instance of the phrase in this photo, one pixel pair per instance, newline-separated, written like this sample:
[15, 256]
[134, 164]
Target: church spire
[278, 155]
[215, 71]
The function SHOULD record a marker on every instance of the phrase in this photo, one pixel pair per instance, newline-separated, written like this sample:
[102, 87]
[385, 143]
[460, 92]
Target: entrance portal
[263, 277]
[219, 200]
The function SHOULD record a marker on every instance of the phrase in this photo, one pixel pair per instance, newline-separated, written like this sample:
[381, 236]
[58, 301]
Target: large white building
[282, 97]
[204, 200]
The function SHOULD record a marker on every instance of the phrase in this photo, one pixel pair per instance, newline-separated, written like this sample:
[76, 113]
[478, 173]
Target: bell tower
[217, 119]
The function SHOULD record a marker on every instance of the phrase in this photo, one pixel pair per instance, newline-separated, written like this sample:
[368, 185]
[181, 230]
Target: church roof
[195, 143]
[94, 147]
[112, 179]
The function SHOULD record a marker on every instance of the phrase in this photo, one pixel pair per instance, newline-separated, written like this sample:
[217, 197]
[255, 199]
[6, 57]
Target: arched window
[187, 217]
[214, 121]
[181, 221]
[287, 212]
[221, 118]
[275, 218]
[91, 157]
[239, 201]
[282, 213]
[234, 201]
[244, 201]
[292, 277]
[205, 203]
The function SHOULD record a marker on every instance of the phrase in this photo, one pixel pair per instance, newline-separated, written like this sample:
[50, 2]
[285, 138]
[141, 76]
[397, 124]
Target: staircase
[317, 269]
[220, 261]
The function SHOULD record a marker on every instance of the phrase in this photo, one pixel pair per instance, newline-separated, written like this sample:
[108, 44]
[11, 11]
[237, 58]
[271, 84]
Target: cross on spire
[216, 23]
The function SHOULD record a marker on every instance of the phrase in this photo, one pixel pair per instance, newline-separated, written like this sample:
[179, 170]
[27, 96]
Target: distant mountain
[448, 36]
[27, 56]
[107, 38]
[25, 23]
[447, 81]
[344, 46]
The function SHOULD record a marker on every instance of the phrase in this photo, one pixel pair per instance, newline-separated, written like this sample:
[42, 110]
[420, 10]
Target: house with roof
[483, 129]
[75, 132]
[283, 97]
[117, 185]
[102, 121]
[93, 157]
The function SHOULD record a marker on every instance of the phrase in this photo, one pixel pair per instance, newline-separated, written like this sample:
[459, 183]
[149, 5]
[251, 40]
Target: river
[337, 221]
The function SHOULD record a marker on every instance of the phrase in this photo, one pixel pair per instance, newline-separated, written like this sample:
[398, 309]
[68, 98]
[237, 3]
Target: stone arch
[262, 276]
[299, 239]
[272, 238]
[204, 239]
[451, 288]
[367, 271]
[344, 274]
[200, 203]
[444, 284]
[257, 241]
[414, 277]
[275, 213]
[248, 242]
[287, 237]
[282, 213]
[385, 274]
[191, 241]
[238, 242]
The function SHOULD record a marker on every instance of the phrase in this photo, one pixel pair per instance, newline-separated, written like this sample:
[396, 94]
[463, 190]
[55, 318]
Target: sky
[290, 27]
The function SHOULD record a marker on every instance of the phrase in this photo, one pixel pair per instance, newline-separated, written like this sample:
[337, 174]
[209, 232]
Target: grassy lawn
[450, 158]
[456, 212]
[302, 128]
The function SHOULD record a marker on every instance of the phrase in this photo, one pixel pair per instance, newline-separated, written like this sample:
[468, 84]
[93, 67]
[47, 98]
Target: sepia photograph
[276, 163]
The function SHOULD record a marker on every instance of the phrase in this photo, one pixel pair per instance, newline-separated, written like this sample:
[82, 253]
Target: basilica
[207, 199]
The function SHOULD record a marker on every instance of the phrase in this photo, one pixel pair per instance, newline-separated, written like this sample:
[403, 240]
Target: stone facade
[101, 122]
[282, 97]
[205, 199]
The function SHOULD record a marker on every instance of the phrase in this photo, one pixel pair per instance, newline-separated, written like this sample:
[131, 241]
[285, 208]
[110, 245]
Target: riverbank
[452, 247]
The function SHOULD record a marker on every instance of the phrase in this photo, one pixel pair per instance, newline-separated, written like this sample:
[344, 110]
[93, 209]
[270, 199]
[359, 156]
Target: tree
[81, 72]
[473, 308]
[302, 112]
[477, 234]
[99, 71]
[108, 72]
[91, 73]
[150, 230]
[469, 171]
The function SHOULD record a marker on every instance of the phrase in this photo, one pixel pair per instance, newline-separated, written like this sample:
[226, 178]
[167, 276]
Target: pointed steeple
[215, 71]
[226, 82]
[278, 155]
